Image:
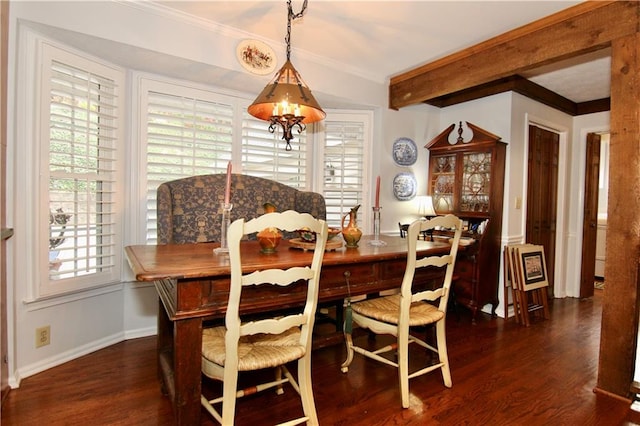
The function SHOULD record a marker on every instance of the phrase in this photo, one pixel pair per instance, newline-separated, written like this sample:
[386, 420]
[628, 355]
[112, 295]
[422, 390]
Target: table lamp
[425, 208]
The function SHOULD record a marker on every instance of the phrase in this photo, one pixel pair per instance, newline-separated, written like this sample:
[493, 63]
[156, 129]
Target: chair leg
[442, 353]
[229, 391]
[306, 390]
[403, 364]
[348, 340]
[279, 388]
[339, 316]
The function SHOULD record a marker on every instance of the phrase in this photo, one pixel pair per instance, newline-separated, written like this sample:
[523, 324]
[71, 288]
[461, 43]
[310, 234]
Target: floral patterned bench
[189, 209]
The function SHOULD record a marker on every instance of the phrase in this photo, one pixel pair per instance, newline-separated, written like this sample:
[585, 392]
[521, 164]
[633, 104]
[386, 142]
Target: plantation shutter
[343, 167]
[82, 172]
[186, 136]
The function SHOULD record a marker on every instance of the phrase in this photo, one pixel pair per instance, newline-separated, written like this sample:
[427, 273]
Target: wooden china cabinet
[466, 178]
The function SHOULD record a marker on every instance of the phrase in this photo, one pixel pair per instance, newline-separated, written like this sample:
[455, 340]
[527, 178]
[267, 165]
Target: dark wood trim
[524, 87]
[590, 107]
[584, 28]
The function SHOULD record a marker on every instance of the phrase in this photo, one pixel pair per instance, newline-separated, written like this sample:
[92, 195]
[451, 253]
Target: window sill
[43, 302]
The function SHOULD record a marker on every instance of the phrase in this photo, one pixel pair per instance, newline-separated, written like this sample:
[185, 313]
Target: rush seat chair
[271, 342]
[398, 313]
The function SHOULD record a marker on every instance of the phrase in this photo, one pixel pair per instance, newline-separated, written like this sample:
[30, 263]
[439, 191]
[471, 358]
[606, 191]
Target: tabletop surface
[182, 261]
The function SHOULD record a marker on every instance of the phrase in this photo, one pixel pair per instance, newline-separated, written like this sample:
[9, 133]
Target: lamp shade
[425, 206]
[287, 93]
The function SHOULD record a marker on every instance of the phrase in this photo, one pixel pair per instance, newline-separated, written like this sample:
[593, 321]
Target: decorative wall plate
[404, 186]
[405, 152]
[256, 57]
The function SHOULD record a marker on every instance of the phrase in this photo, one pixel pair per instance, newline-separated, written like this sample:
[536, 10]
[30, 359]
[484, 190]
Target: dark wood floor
[503, 374]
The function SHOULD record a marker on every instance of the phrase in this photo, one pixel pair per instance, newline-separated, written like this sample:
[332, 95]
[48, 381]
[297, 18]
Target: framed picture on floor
[533, 270]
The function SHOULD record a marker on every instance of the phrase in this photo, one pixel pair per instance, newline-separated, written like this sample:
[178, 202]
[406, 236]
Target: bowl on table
[308, 236]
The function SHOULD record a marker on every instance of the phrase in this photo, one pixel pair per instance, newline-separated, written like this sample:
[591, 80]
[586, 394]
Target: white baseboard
[45, 364]
[141, 332]
[59, 359]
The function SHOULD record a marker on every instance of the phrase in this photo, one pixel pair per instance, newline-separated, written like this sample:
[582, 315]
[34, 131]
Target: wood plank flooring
[503, 374]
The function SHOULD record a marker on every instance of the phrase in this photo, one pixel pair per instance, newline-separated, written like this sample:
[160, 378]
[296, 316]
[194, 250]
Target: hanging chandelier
[286, 102]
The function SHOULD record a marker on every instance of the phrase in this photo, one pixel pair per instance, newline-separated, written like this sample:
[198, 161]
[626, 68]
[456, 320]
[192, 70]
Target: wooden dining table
[193, 285]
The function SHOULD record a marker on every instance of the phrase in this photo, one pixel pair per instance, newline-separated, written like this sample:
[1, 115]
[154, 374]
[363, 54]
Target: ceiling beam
[526, 88]
[572, 32]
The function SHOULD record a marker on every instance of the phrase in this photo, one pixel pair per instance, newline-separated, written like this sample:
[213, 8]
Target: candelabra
[287, 122]
[376, 228]
[224, 225]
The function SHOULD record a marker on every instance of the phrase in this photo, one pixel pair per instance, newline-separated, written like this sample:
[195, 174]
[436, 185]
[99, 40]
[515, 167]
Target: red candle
[378, 192]
[227, 189]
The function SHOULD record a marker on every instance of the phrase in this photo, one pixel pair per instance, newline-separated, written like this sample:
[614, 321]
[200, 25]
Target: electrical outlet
[43, 336]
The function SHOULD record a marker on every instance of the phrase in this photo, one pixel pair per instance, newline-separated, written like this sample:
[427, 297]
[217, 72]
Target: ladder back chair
[241, 346]
[396, 314]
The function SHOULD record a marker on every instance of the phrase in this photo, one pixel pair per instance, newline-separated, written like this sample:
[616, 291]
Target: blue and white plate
[405, 152]
[404, 186]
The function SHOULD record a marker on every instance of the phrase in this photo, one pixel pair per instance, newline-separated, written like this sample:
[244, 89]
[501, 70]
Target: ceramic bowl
[269, 239]
[333, 232]
[306, 235]
[310, 237]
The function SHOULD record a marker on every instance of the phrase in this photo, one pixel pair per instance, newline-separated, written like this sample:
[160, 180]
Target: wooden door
[542, 189]
[590, 222]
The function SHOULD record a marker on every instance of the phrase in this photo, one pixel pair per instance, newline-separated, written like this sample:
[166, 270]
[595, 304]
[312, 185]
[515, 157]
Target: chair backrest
[189, 209]
[403, 229]
[307, 277]
[447, 261]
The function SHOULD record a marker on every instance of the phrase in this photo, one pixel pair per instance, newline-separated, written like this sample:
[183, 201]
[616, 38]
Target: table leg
[187, 349]
[179, 363]
[164, 345]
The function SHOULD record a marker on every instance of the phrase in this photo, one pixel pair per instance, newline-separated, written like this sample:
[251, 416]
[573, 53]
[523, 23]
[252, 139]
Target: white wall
[420, 123]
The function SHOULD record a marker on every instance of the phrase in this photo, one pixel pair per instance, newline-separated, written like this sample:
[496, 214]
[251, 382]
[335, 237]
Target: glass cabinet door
[443, 182]
[476, 174]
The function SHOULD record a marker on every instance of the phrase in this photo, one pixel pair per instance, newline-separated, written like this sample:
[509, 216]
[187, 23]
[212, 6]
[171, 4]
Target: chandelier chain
[290, 17]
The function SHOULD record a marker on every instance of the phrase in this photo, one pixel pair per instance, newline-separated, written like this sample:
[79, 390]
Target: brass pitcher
[351, 233]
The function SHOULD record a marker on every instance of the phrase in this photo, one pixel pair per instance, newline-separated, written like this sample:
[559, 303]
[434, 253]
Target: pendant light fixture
[286, 102]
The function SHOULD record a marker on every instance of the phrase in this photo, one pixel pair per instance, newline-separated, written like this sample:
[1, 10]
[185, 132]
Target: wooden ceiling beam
[572, 32]
[514, 83]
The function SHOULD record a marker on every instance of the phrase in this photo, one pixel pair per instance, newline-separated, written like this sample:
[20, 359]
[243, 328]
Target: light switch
[518, 203]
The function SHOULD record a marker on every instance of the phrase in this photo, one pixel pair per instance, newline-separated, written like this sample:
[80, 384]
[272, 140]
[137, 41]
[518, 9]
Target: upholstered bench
[189, 209]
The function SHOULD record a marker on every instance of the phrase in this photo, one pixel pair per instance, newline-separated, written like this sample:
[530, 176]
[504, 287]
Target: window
[345, 137]
[190, 131]
[80, 142]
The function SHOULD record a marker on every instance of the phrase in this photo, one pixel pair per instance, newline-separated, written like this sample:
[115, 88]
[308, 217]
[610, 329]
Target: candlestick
[377, 205]
[224, 227]
[227, 189]
[376, 229]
